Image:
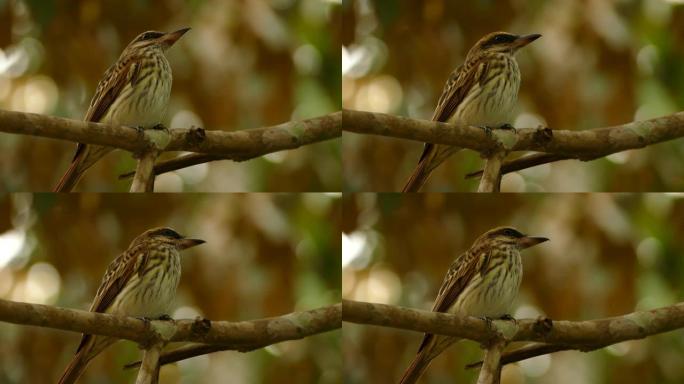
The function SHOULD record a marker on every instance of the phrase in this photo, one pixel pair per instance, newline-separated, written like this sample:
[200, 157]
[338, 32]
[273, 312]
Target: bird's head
[509, 237]
[501, 42]
[166, 236]
[156, 39]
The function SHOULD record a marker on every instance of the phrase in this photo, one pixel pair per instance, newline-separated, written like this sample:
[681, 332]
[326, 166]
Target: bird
[482, 282]
[141, 282]
[133, 92]
[481, 92]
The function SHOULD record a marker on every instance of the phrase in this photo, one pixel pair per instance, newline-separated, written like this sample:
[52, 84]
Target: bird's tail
[85, 157]
[76, 367]
[90, 347]
[416, 369]
[432, 156]
[430, 348]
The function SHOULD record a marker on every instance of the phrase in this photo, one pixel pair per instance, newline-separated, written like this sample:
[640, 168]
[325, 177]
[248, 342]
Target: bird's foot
[145, 320]
[488, 320]
[487, 130]
[140, 131]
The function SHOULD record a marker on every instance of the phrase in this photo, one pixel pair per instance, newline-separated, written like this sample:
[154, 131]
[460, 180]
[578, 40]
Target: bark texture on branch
[586, 144]
[249, 142]
[490, 373]
[242, 334]
[534, 350]
[491, 177]
[149, 369]
[580, 334]
[144, 173]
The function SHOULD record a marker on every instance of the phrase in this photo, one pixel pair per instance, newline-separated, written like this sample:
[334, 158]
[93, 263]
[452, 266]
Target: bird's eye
[167, 232]
[498, 39]
[150, 35]
[511, 232]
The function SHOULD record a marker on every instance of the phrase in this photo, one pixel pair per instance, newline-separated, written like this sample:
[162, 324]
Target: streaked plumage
[141, 282]
[133, 92]
[481, 92]
[483, 282]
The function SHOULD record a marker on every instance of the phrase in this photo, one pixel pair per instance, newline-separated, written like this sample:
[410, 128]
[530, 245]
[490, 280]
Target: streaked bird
[482, 92]
[141, 283]
[482, 282]
[133, 92]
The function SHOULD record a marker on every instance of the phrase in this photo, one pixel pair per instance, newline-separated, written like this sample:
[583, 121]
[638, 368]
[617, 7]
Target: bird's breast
[493, 292]
[143, 102]
[151, 292]
[491, 101]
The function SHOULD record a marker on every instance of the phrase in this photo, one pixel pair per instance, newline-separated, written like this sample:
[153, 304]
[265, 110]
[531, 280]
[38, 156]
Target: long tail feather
[90, 347]
[431, 158]
[85, 157]
[70, 178]
[76, 367]
[418, 178]
[430, 348]
[416, 369]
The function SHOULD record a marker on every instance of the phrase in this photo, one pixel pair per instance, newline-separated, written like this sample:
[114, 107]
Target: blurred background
[266, 255]
[608, 255]
[244, 64]
[599, 63]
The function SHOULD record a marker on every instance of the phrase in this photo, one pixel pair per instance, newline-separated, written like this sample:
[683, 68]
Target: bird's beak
[523, 40]
[188, 243]
[530, 241]
[170, 38]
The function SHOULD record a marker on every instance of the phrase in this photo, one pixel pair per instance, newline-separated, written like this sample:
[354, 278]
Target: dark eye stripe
[168, 232]
[510, 232]
[500, 39]
[150, 35]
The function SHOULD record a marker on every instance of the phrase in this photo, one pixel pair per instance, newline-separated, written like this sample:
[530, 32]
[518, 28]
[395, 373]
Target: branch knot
[200, 326]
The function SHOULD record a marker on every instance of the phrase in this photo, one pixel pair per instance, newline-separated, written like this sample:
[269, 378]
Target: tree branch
[491, 367]
[183, 161]
[261, 332]
[249, 142]
[580, 334]
[144, 173]
[149, 369]
[582, 145]
[192, 350]
[529, 161]
[534, 350]
[189, 160]
[491, 177]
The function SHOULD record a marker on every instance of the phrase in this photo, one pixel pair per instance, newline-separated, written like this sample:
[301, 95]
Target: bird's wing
[108, 89]
[462, 270]
[460, 273]
[117, 275]
[460, 82]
